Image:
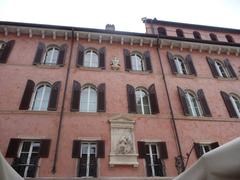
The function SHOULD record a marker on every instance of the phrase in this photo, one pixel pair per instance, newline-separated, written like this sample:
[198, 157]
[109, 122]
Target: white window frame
[55, 48]
[178, 61]
[134, 57]
[2, 45]
[151, 156]
[141, 99]
[89, 87]
[233, 99]
[203, 146]
[220, 73]
[191, 106]
[91, 51]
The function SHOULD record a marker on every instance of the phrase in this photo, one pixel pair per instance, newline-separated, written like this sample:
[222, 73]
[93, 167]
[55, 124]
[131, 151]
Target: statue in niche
[124, 146]
[115, 64]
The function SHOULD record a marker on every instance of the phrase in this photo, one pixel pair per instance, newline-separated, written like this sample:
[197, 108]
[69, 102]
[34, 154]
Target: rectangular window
[205, 148]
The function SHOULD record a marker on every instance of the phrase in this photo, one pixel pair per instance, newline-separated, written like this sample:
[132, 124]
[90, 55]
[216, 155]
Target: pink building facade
[80, 102]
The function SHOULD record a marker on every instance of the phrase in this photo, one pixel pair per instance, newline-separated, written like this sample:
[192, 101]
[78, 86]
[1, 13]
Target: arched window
[180, 65]
[196, 35]
[235, 100]
[142, 101]
[51, 56]
[229, 38]
[41, 97]
[88, 99]
[222, 72]
[213, 37]
[193, 104]
[137, 62]
[91, 59]
[162, 31]
[179, 33]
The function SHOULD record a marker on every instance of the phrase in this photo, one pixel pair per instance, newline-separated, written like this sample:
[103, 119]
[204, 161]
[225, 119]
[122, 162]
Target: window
[162, 31]
[179, 33]
[235, 100]
[88, 100]
[5, 50]
[197, 35]
[193, 104]
[179, 62]
[51, 56]
[202, 148]
[213, 37]
[232, 102]
[222, 72]
[91, 59]
[142, 101]
[229, 38]
[137, 62]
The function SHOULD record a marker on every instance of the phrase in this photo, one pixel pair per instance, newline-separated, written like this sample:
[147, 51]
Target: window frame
[136, 62]
[233, 98]
[141, 89]
[203, 147]
[219, 65]
[92, 51]
[89, 87]
[180, 65]
[194, 107]
[55, 48]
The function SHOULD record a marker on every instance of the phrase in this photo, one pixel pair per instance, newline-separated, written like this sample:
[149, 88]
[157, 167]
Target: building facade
[81, 102]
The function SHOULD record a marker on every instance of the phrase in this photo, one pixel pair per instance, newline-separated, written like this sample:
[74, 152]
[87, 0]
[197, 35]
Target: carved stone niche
[123, 150]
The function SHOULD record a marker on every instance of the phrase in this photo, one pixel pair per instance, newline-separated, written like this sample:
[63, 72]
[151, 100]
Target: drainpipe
[62, 108]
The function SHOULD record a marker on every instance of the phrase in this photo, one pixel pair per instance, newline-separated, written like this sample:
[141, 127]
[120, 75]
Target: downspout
[62, 108]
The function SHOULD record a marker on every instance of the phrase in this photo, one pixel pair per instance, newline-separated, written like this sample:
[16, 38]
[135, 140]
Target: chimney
[110, 27]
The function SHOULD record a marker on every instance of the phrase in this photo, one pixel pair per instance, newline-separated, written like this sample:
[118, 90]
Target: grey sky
[125, 14]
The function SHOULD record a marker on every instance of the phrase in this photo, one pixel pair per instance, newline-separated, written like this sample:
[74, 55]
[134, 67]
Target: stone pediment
[121, 119]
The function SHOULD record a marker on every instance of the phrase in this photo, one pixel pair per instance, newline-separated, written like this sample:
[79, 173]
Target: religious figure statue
[124, 146]
[115, 65]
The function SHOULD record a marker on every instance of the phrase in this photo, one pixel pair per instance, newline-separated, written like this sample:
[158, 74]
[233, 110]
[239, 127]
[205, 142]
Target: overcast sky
[126, 15]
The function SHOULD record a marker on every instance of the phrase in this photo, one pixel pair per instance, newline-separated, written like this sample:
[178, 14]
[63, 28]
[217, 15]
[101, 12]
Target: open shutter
[162, 147]
[80, 56]
[102, 52]
[53, 100]
[61, 55]
[183, 100]
[141, 149]
[229, 105]
[153, 99]
[76, 90]
[190, 65]
[39, 53]
[212, 67]
[6, 51]
[101, 149]
[204, 104]
[198, 150]
[101, 99]
[127, 59]
[214, 145]
[131, 99]
[76, 149]
[27, 95]
[13, 147]
[230, 68]
[171, 62]
[44, 148]
[147, 58]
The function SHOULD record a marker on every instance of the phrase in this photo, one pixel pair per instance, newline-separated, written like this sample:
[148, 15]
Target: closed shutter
[131, 99]
[53, 100]
[44, 148]
[229, 105]
[6, 51]
[230, 68]
[27, 95]
[39, 53]
[171, 62]
[13, 147]
[153, 99]
[204, 104]
[127, 59]
[101, 98]
[80, 56]
[93, 166]
[147, 59]
[212, 67]
[198, 150]
[101, 149]
[102, 53]
[182, 97]
[76, 149]
[76, 91]
[190, 65]
[162, 147]
[82, 166]
[61, 56]
[141, 149]
[214, 145]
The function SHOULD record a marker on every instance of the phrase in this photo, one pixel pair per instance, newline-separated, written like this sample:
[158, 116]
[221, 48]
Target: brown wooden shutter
[147, 59]
[13, 147]
[131, 99]
[183, 100]
[61, 55]
[44, 148]
[102, 53]
[76, 149]
[204, 104]
[141, 149]
[229, 105]
[162, 147]
[27, 95]
[212, 67]
[230, 68]
[39, 53]
[127, 59]
[101, 98]
[171, 62]
[53, 99]
[6, 51]
[80, 56]
[153, 99]
[198, 150]
[190, 65]
[76, 91]
[214, 145]
[101, 149]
